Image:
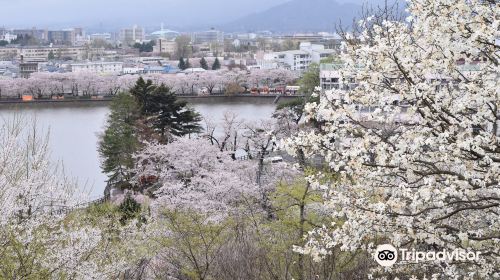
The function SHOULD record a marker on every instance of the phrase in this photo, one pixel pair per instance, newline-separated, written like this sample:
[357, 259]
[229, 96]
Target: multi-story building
[164, 46]
[98, 67]
[239, 43]
[131, 35]
[40, 54]
[7, 68]
[295, 60]
[62, 37]
[38, 34]
[210, 36]
[149, 60]
[6, 36]
[79, 31]
[132, 70]
[27, 68]
[100, 36]
[8, 53]
[330, 78]
[303, 37]
[316, 51]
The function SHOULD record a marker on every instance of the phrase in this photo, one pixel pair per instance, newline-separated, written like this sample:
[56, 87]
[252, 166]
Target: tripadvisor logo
[387, 255]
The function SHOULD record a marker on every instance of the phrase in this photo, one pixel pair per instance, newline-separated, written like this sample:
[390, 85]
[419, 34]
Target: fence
[54, 209]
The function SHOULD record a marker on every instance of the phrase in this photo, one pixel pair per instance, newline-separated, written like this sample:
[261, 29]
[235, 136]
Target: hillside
[298, 15]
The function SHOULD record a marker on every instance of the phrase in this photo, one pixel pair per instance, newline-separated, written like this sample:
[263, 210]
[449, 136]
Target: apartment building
[27, 68]
[101, 36]
[98, 67]
[152, 60]
[132, 35]
[330, 78]
[38, 34]
[8, 53]
[210, 36]
[40, 54]
[62, 37]
[295, 60]
[316, 51]
[6, 36]
[164, 46]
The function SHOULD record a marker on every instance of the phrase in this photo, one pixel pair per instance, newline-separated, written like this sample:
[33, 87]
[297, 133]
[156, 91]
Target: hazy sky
[114, 13]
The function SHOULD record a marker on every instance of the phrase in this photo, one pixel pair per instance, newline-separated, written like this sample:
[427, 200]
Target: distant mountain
[298, 15]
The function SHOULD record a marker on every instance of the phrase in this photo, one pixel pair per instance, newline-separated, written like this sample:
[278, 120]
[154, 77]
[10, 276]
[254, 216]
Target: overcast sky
[115, 13]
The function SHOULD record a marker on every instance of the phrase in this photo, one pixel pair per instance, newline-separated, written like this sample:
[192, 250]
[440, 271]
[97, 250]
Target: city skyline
[96, 15]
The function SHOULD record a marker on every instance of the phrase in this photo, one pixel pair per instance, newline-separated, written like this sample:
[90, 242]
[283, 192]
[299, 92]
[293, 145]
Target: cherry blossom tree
[39, 239]
[227, 135]
[421, 170]
[43, 85]
[191, 174]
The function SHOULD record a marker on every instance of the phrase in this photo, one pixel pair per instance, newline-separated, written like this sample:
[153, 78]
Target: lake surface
[74, 130]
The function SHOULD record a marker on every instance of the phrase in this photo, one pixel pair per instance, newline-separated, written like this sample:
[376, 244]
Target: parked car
[273, 159]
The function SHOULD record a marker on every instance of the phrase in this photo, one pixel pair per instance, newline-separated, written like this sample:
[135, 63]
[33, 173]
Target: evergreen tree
[167, 115]
[171, 115]
[203, 63]
[119, 141]
[182, 64]
[141, 92]
[129, 208]
[146, 104]
[216, 65]
[188, 65]
[144, 47]
[51, 56]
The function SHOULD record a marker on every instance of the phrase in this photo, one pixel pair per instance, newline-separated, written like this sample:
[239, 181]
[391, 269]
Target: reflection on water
[74, 132]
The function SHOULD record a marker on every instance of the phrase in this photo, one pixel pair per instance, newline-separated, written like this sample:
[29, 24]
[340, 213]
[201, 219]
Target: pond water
[74, 130]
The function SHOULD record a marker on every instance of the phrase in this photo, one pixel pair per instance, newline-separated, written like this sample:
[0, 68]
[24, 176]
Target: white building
[151, 60]
[295, 60]
[193, 70]
[98, 67]
[132, 70]
[165, 34]
[316, 51]
[330, 78]
[7, 37]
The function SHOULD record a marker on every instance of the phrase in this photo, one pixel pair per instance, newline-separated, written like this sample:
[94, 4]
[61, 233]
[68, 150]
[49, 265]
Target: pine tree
[188, 65]
[173, 116]
[203, 63]
[182, 64]
[119, 141]
[216, 65]
[141, 91]
[51, 56]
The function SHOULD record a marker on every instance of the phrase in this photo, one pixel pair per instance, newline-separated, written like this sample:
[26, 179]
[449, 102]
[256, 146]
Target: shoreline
[259, 99]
